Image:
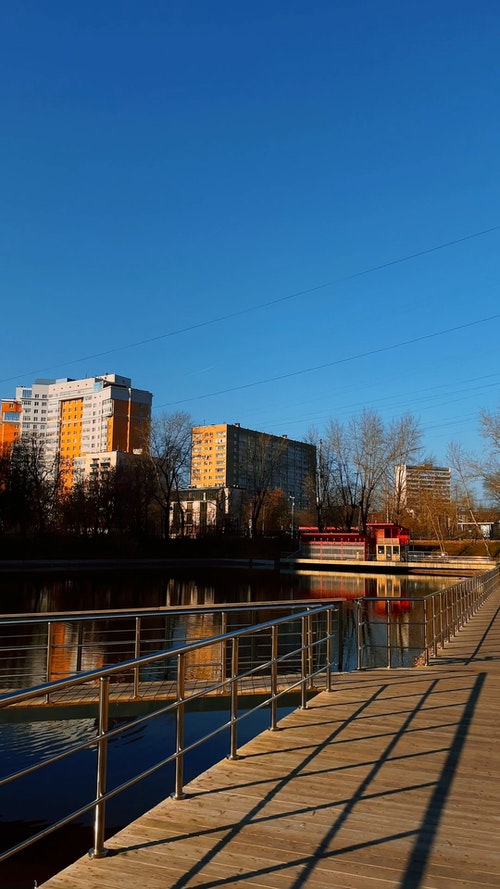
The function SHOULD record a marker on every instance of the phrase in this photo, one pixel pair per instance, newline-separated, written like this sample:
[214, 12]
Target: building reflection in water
[92, 644]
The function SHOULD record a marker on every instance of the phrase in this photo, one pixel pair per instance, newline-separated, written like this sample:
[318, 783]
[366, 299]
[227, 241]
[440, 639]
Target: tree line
[353, 484]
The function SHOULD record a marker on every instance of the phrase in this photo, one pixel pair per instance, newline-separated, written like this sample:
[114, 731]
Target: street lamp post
[292, 529]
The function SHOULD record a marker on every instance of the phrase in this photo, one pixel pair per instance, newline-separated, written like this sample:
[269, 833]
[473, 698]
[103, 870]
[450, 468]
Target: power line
[264, 305]
[338, 361]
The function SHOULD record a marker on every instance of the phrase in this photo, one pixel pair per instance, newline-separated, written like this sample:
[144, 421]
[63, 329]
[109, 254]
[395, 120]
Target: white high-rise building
[75, 418]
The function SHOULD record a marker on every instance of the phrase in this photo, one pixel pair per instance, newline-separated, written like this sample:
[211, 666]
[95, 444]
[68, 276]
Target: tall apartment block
[415, 483]
[221, 454]
[81, 419]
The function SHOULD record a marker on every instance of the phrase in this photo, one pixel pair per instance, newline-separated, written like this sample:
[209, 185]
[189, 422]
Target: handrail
[434, 619]
[433, 556]
[77, 636]
[311, 650]
[152, 611]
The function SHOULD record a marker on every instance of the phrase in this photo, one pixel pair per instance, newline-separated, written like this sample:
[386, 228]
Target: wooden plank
[389, 781]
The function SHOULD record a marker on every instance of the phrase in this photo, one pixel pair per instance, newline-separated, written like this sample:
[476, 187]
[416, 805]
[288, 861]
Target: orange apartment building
[10, 423]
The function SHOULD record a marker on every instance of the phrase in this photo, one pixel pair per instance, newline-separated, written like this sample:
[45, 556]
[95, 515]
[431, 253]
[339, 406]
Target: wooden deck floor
[391, 780]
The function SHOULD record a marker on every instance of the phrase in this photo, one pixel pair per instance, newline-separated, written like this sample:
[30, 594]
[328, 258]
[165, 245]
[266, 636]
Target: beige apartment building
[424, 482]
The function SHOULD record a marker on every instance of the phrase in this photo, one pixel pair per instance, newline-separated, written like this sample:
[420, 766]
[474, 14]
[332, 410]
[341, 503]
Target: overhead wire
[338, 361]
[263, 305]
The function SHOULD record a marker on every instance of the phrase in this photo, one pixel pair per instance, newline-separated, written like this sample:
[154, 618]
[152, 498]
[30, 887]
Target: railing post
[434, 627]
[388, 630]
[340, 635]
[329, 629]
[426, 635]
[223, 650]
[274, 678]
[102, 763]
[179, 728]
[359, 635]
[310, 651]
[137, 654]
[233, 747]
[79, 646]
[303, 663]
[48, 660]
[441, 622]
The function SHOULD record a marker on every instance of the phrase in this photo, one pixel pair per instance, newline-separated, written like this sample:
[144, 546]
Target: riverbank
[118, 547]
[77, 566]
[62, 554]
[109, 546]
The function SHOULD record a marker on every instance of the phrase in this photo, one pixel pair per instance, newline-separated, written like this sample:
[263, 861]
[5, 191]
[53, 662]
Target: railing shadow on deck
[424, 834]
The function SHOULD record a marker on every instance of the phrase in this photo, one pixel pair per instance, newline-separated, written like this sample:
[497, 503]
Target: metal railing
[300, 645]
[294, 652]
[406, 631]
[40, 648]
[442, 556]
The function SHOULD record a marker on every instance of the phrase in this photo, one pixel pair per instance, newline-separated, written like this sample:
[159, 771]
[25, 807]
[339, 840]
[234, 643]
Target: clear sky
[271, 212]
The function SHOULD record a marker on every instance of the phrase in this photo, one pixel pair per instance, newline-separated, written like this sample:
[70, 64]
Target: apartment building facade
[416, 484]
[231, 456]
[77, 418]
[10, 423]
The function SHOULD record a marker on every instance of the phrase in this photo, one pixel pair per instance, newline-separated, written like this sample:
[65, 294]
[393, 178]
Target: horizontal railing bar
[161, 611]
[80, 678]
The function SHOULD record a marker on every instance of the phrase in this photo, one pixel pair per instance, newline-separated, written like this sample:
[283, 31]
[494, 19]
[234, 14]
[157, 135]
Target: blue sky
[244, 206]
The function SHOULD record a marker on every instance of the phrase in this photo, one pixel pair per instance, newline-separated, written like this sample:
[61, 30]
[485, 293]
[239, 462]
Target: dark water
[129, 589]
[24, 739]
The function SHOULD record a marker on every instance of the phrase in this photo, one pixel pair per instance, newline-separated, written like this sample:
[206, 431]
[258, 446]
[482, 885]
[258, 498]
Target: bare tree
[34, 485]
[364, 455]
[261, 462]
[169, 449]
[4, 486]
[343, 487]
[89, 507]
[319, 486]
[466, 472]
[489, 468]
[135, 488]
[431, 517]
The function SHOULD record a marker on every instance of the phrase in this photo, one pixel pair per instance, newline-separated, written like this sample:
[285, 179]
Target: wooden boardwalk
[391, 780]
